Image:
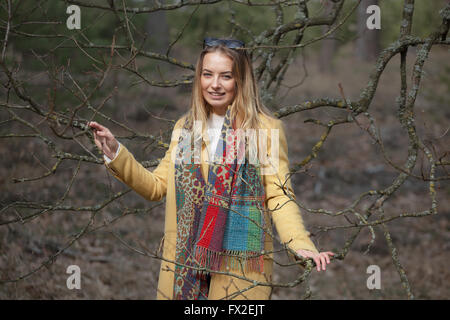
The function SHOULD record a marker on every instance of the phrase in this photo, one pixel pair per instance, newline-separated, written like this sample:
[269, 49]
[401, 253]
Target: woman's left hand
[321, 259]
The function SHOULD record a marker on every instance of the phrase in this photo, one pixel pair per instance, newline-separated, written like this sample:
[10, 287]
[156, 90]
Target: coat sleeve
[286, 214]
[152, 185]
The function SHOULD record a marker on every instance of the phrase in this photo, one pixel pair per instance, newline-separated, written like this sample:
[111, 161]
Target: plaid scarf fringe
[246, 261]
[228, 260]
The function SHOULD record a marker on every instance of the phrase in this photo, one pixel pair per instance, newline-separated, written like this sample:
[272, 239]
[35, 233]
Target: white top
[214, 127]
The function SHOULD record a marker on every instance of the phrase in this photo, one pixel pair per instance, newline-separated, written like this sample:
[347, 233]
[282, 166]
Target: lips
[216, 95]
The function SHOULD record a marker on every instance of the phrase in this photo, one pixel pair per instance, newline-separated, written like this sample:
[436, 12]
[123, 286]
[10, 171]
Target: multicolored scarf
[220, 224]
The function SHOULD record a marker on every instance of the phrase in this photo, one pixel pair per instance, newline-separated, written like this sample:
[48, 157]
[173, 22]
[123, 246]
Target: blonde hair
[247, 102]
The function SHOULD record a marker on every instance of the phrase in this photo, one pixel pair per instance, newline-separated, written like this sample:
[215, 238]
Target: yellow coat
[153, 186]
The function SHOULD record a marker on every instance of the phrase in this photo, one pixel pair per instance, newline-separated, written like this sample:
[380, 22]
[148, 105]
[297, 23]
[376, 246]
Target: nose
[216, 83]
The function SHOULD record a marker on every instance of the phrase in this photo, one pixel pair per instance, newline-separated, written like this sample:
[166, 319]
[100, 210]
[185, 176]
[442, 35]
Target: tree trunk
[158, 31]
[368, 42]
[328, 47]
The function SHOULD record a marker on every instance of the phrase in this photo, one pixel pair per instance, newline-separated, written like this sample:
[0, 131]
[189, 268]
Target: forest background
[358, 122]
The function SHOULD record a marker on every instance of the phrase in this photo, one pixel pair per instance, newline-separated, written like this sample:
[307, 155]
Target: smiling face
[217, 81]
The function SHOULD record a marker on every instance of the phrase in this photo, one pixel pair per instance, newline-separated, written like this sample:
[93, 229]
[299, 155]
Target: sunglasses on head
[230, 43]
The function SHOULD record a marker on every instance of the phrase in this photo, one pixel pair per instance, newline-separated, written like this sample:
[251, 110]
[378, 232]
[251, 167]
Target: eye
[228, 77]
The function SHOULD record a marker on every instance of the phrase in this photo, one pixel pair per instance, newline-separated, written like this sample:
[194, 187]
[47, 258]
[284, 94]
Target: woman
[220, 202]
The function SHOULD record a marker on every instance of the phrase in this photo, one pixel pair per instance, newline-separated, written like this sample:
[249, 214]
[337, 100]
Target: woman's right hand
[104, 139]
